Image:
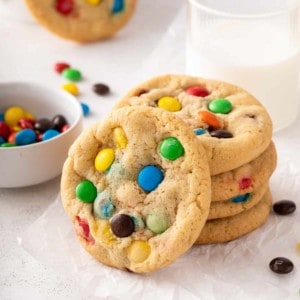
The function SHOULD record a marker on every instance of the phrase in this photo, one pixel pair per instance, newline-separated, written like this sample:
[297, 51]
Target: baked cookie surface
[227, 229]
[137, 189]
[244, 179]
[82, 20]
[232, 125]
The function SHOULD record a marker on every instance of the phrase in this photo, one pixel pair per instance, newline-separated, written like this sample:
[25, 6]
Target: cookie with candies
[246, 178]
[82, 20]
[233, 126]
[137, 188]
[226, 229]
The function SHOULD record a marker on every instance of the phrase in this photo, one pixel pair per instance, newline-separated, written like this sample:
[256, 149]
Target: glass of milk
[253, 44]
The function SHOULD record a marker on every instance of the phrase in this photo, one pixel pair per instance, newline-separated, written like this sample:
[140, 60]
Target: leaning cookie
[232, 125]
[82, 20]
[137, 189]
[245, 179]
[227, 229]
[237, 204]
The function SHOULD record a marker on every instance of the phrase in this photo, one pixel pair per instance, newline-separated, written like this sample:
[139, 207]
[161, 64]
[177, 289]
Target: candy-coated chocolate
[103, 207]
[120, 138]
[50, 134]
[86, 191]
[64, 7]
[71, 74]
[29, 115]
[149, 178]
[101, 89]
[138, 222]
[42, 124]
[1, 116]
[2, 140]
[284, 207]
[85, 109]
[4, 130]
[220, 106]
[138, 251]
[210, 119]
[71, 88]
[198, 91]
[60, 66]
[221, 134]
[25, 137]
[281, 265]
[118, 6]
[199, 131]
[104, 159]
[245, 183]
[39, 137]
[241, 198]
[65, 128]
[157, 223]
[13, 114]
[58, 122]
[170, 148]
[82, 228]
[169, 104]
[298, 246]
[7, 145]
[17, 128]
[12, 138]
[122, 225]
[93, 2]
[26, 123]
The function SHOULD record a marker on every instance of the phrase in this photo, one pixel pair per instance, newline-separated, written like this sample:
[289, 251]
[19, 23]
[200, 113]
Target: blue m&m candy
[149, 178]
[25, 137]
[85, 109]
[49, 134]
[241, 198]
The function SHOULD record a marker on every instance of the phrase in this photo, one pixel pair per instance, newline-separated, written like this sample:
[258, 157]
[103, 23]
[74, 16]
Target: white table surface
[28, 52]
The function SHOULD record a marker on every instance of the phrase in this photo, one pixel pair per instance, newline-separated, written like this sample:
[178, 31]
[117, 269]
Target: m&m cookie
[82, 20]
[137, 189]
[232, 125]
[227, 229]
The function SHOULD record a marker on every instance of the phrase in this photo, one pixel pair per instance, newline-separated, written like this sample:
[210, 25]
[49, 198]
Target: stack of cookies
[181, 160]
[236, 132]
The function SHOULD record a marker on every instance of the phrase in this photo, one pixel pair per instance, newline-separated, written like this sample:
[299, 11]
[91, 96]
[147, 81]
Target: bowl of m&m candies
[38, 124]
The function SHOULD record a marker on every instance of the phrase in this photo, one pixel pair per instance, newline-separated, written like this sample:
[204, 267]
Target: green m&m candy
[86, 191]
[71, 74]
[220, 106]
[157, 223]
[170, 148]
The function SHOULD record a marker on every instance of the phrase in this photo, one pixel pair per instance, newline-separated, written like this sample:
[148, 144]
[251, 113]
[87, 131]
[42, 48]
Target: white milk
[253, 55]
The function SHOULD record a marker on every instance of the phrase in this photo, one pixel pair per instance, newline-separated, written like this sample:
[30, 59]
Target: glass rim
[217, 12]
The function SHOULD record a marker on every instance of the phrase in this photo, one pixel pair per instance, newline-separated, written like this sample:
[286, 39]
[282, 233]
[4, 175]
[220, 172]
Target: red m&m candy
[197, 91]
[64, 6]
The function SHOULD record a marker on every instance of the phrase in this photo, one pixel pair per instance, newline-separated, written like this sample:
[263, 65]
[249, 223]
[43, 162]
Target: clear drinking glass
[254, 44]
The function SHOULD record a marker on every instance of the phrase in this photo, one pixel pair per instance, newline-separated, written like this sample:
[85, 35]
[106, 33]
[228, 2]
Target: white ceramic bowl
[32, 164]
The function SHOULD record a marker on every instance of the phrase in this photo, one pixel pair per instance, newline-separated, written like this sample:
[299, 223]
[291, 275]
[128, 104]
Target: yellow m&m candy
[169, 104]
[71, 88]
[104, 159]
[138, 251]
[13, 114]
[93, 2]
[120, 138]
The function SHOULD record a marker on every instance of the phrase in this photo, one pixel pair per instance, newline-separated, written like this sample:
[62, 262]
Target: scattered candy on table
[72, 74]
[101, 89]
[284, 207]
[85, 109]
[71, 88]
[20, 128]
[281, 265]
[60, 66]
